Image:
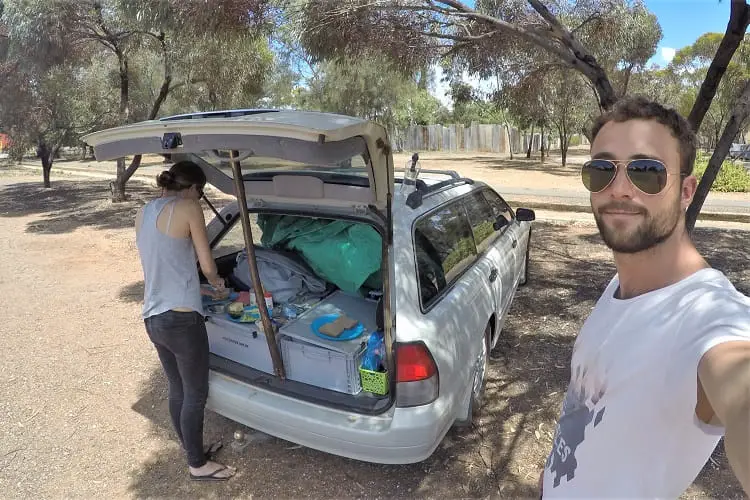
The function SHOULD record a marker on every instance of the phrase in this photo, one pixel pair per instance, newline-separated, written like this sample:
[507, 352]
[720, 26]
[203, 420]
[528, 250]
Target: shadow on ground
[132, 292]
[502, 454]
[71, 204]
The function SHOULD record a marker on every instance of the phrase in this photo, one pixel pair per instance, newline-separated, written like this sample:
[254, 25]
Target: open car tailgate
[318, 142]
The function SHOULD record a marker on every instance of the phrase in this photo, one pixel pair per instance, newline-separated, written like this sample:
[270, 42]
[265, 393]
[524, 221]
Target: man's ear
[687, 191]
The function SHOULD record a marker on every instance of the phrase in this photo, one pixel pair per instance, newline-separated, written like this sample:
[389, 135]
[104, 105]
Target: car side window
[482, 219]
[498, 205]
[233, 241]
[444, 248]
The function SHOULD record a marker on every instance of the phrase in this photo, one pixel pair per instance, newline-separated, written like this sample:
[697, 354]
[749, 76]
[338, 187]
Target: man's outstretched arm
[724, 374]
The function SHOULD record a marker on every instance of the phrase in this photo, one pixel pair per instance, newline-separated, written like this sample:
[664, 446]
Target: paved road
[714, 202]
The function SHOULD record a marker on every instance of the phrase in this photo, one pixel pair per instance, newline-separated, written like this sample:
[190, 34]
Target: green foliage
[464, 249]
[689, 68]
[732, 177]
[369, 87]
[218, 73]
[483, 231]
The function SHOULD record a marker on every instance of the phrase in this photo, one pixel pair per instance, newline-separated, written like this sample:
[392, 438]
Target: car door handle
[493, 275]
[515, 243]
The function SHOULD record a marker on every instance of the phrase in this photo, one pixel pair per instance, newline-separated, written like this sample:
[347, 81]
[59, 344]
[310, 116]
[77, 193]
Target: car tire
[525, 272]
[479, 376]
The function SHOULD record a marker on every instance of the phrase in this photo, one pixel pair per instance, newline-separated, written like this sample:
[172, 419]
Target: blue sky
[683, 21]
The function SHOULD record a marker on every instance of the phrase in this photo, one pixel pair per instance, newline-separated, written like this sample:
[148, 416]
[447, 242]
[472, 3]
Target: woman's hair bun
[181, 176]
[166, 180]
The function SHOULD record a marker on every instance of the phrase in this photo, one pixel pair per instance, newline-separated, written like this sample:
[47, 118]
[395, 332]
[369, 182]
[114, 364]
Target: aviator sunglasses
[648, 175]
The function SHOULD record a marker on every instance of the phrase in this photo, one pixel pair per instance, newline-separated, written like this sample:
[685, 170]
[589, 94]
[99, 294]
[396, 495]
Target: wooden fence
[487, 138]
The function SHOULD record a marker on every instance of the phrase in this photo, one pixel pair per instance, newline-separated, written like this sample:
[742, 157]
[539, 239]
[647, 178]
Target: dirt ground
[83, 407]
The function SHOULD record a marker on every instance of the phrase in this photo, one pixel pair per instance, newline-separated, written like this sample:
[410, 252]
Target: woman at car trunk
[170, 231]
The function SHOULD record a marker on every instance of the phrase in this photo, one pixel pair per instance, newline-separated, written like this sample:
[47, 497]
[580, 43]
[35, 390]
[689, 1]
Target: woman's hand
[217, 282]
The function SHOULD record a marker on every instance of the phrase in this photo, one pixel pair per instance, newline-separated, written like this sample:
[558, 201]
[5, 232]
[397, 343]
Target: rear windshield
[257, 165]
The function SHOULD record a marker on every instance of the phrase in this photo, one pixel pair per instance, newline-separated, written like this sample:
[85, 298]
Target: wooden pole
[239, 187]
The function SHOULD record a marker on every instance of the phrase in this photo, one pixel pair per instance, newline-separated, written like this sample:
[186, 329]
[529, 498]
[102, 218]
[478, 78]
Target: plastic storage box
[330, 364]
[240, 342]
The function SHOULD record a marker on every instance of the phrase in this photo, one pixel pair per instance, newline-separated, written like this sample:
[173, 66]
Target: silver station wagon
[388, 289]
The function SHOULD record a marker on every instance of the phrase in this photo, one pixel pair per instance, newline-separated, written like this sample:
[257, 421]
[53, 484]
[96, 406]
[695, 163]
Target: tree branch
[739, 19]
[468, 38]
[165, 85]
[739, 115]
[586, 21]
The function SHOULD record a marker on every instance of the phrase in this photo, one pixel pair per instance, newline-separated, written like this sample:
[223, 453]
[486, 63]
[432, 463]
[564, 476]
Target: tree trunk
[739, 19]
[531, 143]
[46, 171]
[739, 115]
[626, 82]
[123, 176]
[45, 154]
[541, 144]
[586, 131]
[166, 82]
[563, 148]
[510, 140]
[118, 185]
[574, 55]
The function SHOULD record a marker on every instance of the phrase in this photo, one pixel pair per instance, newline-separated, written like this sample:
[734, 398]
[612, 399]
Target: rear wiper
[214, 210]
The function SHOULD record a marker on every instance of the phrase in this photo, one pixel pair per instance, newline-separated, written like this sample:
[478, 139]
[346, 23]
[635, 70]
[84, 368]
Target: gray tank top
[170, 268]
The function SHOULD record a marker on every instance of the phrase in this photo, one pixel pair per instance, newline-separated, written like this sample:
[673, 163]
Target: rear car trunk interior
[315, 268]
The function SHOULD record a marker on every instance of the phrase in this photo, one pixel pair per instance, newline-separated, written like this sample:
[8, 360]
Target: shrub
[732, 177]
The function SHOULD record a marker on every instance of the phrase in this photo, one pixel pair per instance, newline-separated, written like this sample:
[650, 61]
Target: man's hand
[724, 375]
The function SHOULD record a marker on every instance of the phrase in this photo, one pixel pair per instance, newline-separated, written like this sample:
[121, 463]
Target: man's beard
[649, 233]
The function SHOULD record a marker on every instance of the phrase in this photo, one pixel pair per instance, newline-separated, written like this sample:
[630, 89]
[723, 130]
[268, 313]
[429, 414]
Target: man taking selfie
[660, 370]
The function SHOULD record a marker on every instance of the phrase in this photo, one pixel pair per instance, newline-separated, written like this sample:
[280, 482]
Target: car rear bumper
[398, 436]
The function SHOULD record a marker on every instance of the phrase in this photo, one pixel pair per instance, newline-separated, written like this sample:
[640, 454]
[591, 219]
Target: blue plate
[349, 334]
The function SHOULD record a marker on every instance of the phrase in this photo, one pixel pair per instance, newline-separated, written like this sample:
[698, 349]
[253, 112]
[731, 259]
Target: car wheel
[525, 271]
[479, 374]
[480, 371]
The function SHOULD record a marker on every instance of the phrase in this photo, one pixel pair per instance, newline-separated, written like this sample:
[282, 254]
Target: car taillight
[416, 375]
[413, 363]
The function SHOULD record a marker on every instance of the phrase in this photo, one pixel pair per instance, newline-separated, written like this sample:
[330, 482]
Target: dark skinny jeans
[182, 344]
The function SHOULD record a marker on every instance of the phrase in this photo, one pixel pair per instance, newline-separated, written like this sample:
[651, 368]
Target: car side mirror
[525, 215]
[500, 223]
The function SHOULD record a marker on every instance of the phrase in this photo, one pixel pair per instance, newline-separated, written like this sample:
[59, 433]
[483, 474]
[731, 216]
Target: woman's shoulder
[187, 204]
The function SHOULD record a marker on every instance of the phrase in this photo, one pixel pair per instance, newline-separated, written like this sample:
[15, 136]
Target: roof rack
[414, 200]
[227, 113]
[452, 173]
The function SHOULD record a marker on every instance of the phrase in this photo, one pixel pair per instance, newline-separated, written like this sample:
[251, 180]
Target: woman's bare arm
[197, 223]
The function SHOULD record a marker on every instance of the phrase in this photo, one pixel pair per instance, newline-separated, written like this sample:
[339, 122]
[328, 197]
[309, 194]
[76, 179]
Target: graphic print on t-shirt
[578, 412]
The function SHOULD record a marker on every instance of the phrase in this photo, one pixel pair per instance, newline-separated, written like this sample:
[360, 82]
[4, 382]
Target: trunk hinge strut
[273, 347]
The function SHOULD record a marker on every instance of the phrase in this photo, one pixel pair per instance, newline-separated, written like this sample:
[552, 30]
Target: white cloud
[667, 53]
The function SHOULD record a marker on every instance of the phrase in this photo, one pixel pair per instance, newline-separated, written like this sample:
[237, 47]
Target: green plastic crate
[375, 382]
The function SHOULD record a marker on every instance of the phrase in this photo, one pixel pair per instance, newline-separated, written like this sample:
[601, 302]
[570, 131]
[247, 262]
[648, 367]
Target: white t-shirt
[628, 427]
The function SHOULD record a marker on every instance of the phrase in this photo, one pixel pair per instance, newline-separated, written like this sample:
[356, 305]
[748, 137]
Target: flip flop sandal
[212, 476]
[213, 449]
